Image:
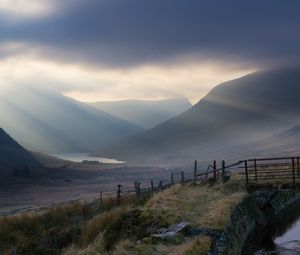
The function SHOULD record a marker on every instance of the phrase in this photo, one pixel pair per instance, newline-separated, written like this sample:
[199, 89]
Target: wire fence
[141, 189]
[252, 170]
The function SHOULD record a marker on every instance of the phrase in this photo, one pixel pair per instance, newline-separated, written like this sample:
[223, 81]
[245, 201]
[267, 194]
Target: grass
[36, 232]
[130, 229]
[126, 229]
[190, 246]
[50, 231]
[101, 223]
[202, 206]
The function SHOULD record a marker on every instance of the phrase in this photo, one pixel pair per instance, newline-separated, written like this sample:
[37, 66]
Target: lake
[79, 157]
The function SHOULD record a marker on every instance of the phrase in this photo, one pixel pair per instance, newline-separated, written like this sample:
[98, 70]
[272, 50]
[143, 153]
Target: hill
[12, 154]
[49, 122]
[234, 115]
[145, 113]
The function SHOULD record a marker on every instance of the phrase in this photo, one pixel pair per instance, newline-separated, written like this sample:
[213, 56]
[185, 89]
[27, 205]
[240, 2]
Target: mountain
[49, 122]
[227, 123]
[286, 142]
[13, 154]
[145, 113]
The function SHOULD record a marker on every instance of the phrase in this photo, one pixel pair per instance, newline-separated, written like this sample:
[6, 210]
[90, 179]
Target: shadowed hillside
[48, 122]
[145, 113]
[225, 123]
[12, 154]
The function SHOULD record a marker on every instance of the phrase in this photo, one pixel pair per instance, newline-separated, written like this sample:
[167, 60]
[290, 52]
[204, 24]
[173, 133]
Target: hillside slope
[49, 122]
[12, 154]
[145, 113]
[234, 114]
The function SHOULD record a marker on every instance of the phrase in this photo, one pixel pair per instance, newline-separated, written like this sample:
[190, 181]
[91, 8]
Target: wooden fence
[211, 174]
[253, 170]
[264, 169]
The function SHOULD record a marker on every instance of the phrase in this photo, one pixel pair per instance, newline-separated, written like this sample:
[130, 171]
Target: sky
[96, 50]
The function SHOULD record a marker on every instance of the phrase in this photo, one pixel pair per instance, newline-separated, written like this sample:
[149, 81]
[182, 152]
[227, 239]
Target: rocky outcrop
[259, 208]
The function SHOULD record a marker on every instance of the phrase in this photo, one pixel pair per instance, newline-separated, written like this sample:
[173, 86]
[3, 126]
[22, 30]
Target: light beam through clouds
[189, 79]
[26, 7]
[120, 49]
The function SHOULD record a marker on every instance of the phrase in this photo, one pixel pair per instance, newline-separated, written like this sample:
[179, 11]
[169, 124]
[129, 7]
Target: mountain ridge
[13, 154]
[46, 121]
[146, 113]
[235, 113]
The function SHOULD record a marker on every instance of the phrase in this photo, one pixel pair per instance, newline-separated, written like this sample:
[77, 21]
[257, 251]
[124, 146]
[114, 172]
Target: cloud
[27, 8]
[192, 80]
[133, 32]
[116, 49]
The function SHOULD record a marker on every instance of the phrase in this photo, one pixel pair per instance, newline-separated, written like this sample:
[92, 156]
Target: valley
[51, 186]
[132, 127]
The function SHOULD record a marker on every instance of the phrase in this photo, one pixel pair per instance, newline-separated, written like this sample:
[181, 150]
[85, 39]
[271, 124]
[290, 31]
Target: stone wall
[261, 207]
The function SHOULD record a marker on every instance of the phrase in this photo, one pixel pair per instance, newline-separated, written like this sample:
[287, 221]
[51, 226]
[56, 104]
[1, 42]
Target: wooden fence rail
[264, 169]
[254, 170]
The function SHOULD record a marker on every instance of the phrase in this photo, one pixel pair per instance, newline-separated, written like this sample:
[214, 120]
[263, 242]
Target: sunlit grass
[125, 229]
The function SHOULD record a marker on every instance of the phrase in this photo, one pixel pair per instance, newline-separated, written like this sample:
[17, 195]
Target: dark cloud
[119, 32]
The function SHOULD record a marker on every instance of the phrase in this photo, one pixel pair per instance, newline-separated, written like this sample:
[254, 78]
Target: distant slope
[49, 160]
[232, 116]
[49, 122]
[287, 142]
[145, 113]
[12, 154]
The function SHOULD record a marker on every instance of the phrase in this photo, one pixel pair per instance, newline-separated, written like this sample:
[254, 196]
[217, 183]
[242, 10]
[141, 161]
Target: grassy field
[76, 229]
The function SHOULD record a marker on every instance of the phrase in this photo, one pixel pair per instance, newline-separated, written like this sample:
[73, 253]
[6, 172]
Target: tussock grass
[190, 246]
[200, 205]
[198, 246]
[126, 229]
[57, 227]
[195, 246]
[100, 223]
[94, 248]
[36, 232]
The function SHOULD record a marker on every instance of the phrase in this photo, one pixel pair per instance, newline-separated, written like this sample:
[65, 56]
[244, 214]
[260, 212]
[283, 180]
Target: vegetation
[130, 228]
[47, 232]
[82, 230]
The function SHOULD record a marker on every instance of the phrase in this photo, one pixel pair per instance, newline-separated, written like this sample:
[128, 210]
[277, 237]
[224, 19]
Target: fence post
[195, 171]
[101, 202]
[182, 177]
[152, 186]
[172, 179]
[119, 194]
[84, 209]
[135, 187]
[161, 186]
[138, 190]
[246, 172]
[298, 167]
[215, 171]
[294, 176]
[223, 171]
[255, 169]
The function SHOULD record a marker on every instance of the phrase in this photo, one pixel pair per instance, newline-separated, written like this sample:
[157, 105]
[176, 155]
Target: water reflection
[289, 242]
[79, 157]
[293, 234]
[289, 248]
[282, 236]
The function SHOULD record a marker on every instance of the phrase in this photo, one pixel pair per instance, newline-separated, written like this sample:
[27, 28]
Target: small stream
[289, 242]
[281, 237]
